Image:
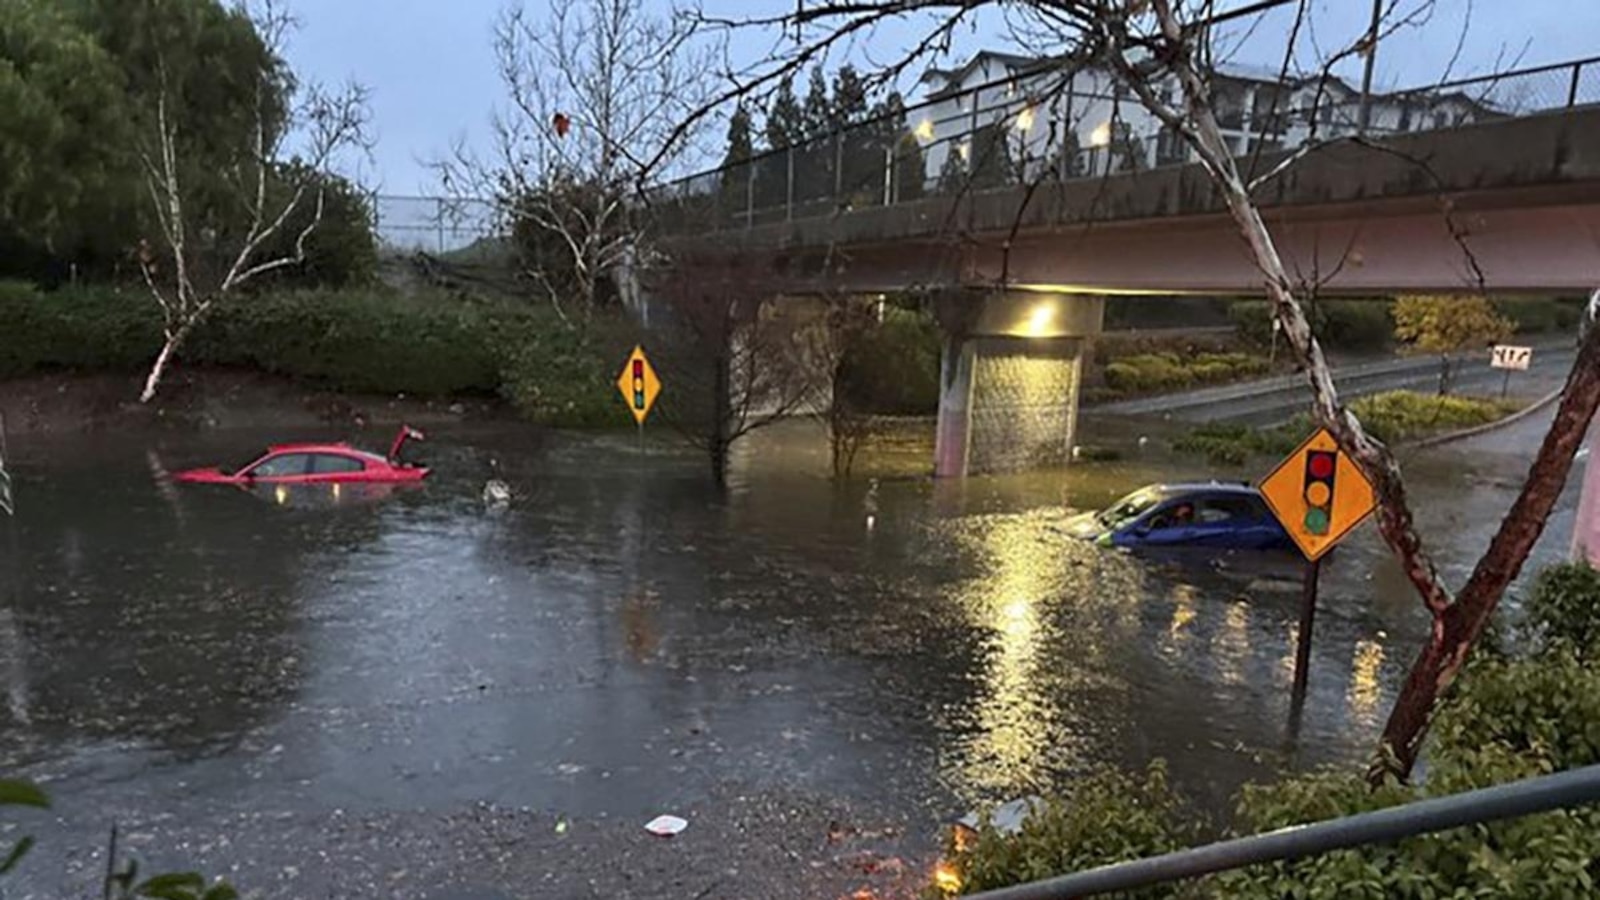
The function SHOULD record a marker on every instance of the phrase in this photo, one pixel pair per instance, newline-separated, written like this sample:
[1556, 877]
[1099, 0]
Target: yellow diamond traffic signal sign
[1319, 494]
[639, 385]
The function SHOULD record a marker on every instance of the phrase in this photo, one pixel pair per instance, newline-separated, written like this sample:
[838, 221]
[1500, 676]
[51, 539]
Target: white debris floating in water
[496, 492]
[665, 826]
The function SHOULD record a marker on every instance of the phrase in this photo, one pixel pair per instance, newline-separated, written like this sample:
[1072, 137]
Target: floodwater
[622, 640]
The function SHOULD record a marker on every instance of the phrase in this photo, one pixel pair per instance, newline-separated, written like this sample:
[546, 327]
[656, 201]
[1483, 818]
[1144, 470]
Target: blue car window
[1218, 510]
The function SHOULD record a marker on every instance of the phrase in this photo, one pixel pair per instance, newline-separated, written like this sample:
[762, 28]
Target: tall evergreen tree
[783, 130]
[785, 123]
[736, 162]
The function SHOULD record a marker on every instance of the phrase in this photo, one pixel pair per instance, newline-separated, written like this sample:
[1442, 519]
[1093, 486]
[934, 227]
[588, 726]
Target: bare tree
[847, 322]
[206, 254]
[1164, 52]
[595, 90]
[736, 367]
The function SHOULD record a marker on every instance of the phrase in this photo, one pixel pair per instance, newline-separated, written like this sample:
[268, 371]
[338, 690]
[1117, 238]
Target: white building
[1087, 122]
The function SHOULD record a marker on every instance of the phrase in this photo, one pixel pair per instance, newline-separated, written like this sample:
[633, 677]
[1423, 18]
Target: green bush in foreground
[1107, 816]
[1509, 717]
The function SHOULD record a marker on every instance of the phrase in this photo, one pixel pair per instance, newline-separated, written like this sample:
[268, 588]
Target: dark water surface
[622, 639]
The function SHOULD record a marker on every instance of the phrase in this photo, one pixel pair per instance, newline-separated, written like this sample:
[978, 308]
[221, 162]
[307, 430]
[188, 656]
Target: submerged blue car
[1224, 516]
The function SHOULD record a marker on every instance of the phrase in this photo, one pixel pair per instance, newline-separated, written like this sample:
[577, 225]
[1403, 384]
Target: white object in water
[496, 492]
[1143, 442]
[665, 826]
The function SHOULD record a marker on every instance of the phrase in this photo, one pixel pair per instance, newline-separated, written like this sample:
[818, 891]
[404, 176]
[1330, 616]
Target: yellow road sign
[639, 385]
[1319, 494]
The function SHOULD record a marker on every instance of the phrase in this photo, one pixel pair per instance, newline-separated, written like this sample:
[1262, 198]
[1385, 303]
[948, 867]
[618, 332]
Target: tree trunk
[159, 369]
[1444, 374]
[1458, 625]
[718, 441]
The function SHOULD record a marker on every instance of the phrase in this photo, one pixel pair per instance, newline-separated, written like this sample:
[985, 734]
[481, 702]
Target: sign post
[639, 387]
[1511, 359]
[1319, 495]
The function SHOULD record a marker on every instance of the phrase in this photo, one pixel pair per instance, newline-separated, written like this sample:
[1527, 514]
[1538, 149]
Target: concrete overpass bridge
[1019, 271]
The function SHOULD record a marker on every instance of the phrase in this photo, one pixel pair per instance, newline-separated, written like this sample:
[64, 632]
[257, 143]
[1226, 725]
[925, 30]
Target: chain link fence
[435, 225]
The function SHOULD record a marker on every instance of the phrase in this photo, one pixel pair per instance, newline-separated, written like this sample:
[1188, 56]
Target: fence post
[788, 202]
[888, 175]
[1572, 89]
[838, 168]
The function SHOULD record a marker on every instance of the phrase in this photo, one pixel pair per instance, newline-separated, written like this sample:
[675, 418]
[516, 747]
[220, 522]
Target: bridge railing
[1040, 126]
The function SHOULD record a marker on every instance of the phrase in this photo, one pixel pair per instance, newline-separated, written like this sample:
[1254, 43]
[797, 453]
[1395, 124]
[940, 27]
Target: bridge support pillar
[1009, 379]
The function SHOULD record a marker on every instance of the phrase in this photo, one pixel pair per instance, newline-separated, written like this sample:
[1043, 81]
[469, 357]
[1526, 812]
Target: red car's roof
[310, 448]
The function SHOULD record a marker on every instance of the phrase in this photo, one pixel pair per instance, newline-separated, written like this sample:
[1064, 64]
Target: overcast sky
[433, 82]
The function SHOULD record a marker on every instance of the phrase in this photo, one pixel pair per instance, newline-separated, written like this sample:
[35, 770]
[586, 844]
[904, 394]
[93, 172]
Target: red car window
[284, 465]
[333, 463]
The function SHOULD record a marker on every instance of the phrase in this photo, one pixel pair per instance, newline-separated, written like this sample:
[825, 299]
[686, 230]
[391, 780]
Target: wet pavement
[411, 694]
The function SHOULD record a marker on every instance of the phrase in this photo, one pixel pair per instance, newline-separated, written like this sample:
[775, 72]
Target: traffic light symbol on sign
[638, 384]
[1321, 465]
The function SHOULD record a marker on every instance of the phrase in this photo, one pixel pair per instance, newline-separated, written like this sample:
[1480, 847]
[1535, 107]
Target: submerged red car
[317, 464]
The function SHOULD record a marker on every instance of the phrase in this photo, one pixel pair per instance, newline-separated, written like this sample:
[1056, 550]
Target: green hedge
[362, 340]
[1342, 324]
[1542, 315]
[1390, 417]
[893, 370]
[1154, 372]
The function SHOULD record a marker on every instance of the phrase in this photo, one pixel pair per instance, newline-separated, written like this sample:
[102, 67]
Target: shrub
[85, 329]
[1355, 324]
[1232, 444]
[1541, 315]
[1564, 610]
[1106, 816]
[893, 370]
[1402, 415]
[1342, 324]
[358, 340]
[554, 375]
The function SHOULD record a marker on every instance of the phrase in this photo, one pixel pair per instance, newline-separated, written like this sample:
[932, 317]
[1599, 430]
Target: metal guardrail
[1505, 801]
[1027, 128]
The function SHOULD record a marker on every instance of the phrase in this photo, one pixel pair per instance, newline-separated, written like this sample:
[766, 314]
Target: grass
[1392, 417]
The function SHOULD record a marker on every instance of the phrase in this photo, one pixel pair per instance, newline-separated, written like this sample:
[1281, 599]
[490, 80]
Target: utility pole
[1366, 73]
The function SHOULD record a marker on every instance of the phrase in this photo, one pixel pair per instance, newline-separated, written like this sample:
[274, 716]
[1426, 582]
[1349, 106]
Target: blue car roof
[1208, 487]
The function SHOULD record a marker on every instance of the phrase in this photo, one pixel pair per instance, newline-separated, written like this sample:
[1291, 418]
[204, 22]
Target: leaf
[22, 793]
[173, 886]
[223, 891]
[16, 855]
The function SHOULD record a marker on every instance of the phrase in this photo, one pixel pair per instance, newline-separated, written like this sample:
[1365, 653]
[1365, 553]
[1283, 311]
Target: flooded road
[320, 694]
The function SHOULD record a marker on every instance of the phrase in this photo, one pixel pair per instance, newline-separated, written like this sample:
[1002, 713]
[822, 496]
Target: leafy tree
[341, 250]
[66, 183]
[1447, 326]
